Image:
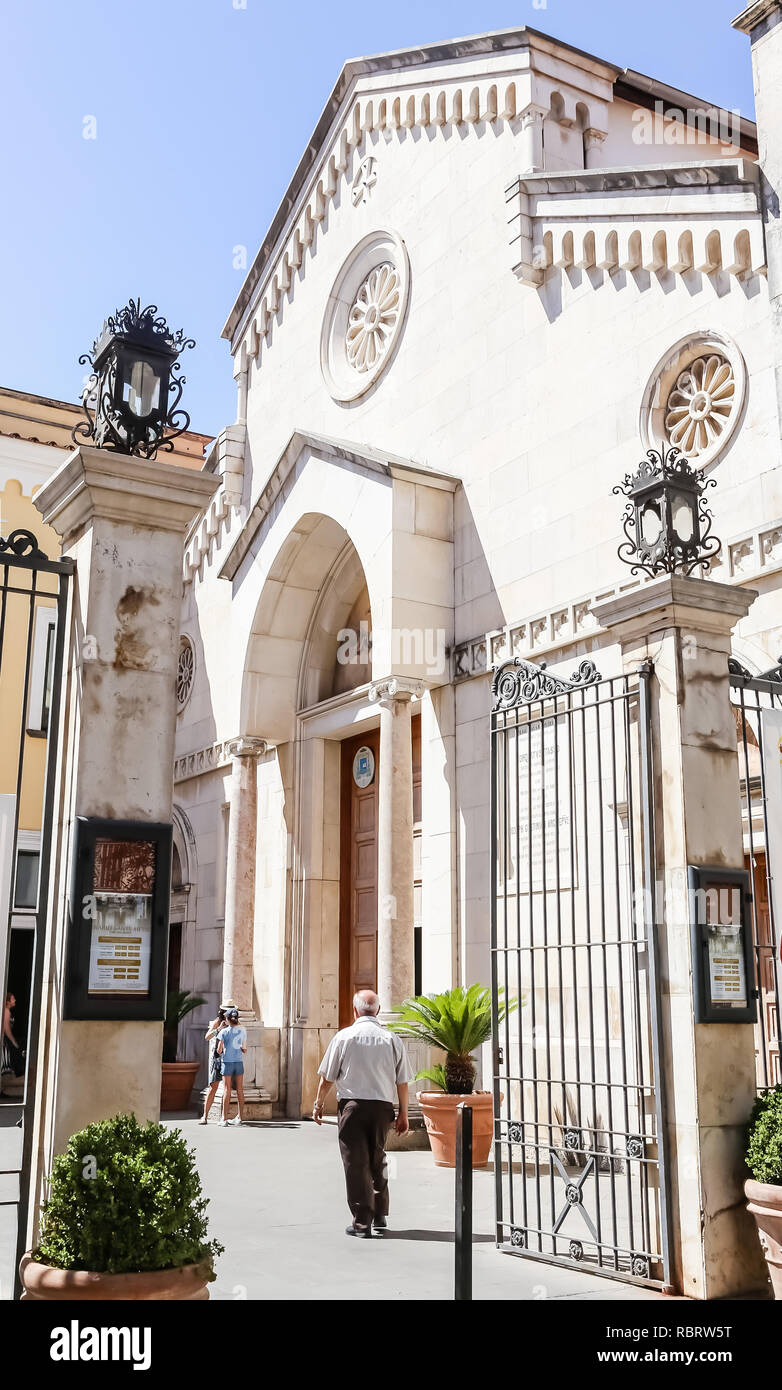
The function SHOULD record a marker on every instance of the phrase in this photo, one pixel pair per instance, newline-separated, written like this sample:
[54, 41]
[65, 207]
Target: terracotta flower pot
[177, 1082]
[764, 1200]
[439, 1110]
[44, 1283]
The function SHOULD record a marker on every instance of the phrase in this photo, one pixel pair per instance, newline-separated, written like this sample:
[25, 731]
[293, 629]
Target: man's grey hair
[366, 1002]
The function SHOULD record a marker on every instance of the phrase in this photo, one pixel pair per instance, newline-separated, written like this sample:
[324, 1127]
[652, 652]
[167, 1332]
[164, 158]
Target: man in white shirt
[370, 1068]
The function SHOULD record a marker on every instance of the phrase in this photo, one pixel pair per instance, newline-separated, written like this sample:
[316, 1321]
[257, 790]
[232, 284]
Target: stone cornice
[94, 483]
[692, 216]
[755, 14]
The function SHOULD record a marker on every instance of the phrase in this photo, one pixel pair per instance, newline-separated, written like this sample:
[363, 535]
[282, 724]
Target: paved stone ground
[277, 1203]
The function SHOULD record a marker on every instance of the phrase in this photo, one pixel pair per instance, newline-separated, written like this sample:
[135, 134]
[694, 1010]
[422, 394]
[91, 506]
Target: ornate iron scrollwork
[520, 682]
[515, 1133]
[634, 1148]
[518, 1237]
[23, 544]
[576, 1250]
[774, 673]
[666, 521]
[640, 1266]
[131, 399]
[573, 1139]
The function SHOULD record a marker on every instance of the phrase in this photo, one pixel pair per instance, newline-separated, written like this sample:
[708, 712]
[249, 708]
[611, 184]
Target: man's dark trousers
[363, 1128]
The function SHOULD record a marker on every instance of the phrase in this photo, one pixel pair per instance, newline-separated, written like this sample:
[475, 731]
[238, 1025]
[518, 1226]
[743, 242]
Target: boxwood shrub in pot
[457, 1022]
[124, 1218]
[764, 1188]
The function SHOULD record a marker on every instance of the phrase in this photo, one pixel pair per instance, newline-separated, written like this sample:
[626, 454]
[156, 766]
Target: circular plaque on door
[364, 767]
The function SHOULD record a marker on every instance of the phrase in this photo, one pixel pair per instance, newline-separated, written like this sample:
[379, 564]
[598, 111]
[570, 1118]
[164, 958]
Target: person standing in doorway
[231, 1046]
[215, 1065]
[370, 1068]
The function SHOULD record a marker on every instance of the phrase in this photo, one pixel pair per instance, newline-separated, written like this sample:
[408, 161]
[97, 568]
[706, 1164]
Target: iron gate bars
[579, 1170]
[32, 587]
[750, 697]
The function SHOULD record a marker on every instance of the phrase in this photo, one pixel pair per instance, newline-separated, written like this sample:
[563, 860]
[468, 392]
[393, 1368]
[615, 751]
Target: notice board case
[117, 944]
[722, 952]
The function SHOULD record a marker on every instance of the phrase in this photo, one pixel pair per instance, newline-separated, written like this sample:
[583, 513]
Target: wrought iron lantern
[132, 396]
[666, 521]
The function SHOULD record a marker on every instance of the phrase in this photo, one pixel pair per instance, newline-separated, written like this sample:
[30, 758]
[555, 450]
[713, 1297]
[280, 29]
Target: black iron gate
[33, 606]
[753, 699]
[579, 1168]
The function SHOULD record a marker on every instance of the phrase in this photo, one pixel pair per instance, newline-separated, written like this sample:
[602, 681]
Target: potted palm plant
[764, 1189]
[124, 1218]
[456, 1022]
[178, 1078]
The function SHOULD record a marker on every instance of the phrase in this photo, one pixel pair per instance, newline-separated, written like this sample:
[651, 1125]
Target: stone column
[593, 141]
[123, 520]
[239, 932]
[240, 875]
[395, 939]
[683, 627]
[532, 118]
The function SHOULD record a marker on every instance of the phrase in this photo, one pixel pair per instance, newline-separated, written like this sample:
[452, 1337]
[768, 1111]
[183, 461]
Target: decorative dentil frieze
[669, 217]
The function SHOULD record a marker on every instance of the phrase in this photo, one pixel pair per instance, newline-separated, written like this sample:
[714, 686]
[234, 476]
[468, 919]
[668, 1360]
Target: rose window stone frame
[365, 315]
[695, 398]
[185, 672]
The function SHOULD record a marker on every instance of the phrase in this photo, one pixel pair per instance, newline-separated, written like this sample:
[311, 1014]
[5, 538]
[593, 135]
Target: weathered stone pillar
[238, 939]
[395, 935]
[123, 520]
[683, 627]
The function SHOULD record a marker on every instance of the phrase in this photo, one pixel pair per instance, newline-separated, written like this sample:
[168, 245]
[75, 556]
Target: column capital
[392, 688]
[103, 484]
[532, 115]
[246, 746]
[676, 601]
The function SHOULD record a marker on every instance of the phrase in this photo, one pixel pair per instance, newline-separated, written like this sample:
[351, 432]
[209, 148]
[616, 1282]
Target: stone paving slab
[277, 1203]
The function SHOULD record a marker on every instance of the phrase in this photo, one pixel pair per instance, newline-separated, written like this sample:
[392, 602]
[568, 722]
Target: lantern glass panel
[651, 525]
[682, 517]
[142, 391]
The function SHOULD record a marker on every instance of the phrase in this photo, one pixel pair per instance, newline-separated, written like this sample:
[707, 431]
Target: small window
[26, 889]
[41, 672]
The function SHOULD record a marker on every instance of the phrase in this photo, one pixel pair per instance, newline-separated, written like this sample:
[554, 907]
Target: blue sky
[202, 110]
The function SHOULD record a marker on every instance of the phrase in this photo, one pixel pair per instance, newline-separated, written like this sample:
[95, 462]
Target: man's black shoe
[380, 1223]
[364, 1231]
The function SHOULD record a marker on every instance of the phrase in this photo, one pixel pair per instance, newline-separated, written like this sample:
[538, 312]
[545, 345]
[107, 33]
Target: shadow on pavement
[446, 1236]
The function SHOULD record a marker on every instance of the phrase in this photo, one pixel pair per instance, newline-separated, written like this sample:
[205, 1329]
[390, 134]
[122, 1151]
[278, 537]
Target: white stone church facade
[503, 269]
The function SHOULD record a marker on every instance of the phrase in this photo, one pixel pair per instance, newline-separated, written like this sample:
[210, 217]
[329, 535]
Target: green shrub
[124, 1198]
[764, 1137]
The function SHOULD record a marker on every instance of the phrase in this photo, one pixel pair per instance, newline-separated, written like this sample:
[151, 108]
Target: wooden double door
[358, 898]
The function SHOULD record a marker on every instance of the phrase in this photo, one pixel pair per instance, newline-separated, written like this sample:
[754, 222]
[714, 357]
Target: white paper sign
[120, 943]
[726, 966]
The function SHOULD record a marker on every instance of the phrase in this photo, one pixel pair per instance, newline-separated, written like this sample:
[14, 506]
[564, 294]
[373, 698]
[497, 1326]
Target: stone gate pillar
[239, 934]
[123, 519]
[683, 627]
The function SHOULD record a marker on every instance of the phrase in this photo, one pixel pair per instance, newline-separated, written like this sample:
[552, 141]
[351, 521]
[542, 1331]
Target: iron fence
[579, 1140]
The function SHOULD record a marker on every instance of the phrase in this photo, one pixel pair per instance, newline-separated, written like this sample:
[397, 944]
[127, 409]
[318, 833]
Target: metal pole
[463, 1270]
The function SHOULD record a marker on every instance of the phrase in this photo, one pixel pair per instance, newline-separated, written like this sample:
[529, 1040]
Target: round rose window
[364, 315]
